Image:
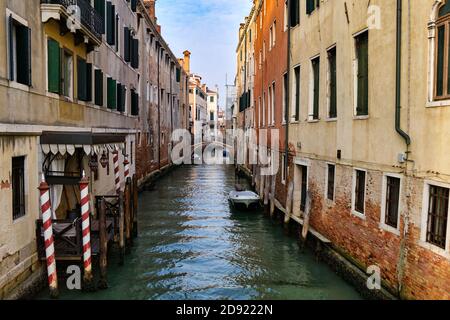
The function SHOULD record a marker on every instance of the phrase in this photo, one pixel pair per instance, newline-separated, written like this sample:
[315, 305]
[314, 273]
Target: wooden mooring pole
[135, 206]
[121, 229]
[103, 261]
[128, 213]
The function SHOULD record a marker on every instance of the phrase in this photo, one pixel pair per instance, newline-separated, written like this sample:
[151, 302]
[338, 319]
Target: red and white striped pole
[46, 209]
[116, 170]
[86, 231]
[126, 165]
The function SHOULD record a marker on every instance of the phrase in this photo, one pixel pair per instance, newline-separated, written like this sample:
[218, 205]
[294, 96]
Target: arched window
[442, 63]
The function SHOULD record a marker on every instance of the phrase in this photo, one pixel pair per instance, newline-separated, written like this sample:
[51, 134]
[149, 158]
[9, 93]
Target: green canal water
[191, 245]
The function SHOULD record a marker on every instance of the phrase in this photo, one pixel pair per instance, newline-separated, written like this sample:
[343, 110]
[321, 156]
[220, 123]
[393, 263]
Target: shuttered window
[135, 53]
[134, 103]
[84, 83]
[362, 53]
[178, 76]
[110, 23]
[297, 93]
[133, 5]
[316, 88]
[19, 52]
[121, 97]
[311, 5]
[392, 201]
[332, 112]
[53, 66]
[112, 93]
[99, 6]
[126, 44]
[294, 12]
[99, 87]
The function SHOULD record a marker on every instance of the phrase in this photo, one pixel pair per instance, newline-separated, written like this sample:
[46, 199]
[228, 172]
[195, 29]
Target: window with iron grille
[330, 184]
[392, 201]
[360, 191]
[437, 216]
[18, 187]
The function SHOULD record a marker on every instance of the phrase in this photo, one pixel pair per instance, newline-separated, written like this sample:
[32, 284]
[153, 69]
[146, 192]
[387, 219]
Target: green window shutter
[363, 75]
[99, 87]
[88, 81]
[316, 70]
[124, 98]
[99, 6]
[53, 66]
[81, 79]
[440, 62]
[310, 4]
[111, 21]
[134, 103]
[23, 49]
[119, 97]
[112, 95]
[135, 53]
[126, 44]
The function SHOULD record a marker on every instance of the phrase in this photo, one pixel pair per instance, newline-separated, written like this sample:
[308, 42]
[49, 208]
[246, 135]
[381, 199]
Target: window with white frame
[285, 95]
[314, 89]
[435, 217]
[331, 177]
[359, 192]
[390, 211]
[19, 50]
[264, 110]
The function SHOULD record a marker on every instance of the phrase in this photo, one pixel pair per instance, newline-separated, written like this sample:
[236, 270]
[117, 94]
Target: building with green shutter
[74, 88]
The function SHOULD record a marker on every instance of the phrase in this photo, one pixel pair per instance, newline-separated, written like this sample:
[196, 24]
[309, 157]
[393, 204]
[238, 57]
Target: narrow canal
[191, 245]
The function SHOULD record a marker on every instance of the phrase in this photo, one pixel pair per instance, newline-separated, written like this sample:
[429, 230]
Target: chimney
[187, 62]
[150, 6]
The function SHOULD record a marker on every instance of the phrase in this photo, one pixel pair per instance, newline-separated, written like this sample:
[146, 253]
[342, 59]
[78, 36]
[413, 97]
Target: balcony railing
[88, 16]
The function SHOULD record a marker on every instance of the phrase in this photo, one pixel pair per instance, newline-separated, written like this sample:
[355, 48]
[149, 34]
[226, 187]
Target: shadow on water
[193, 245]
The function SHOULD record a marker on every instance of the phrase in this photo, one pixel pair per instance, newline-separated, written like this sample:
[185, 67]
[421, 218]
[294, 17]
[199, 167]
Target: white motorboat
[243, 199]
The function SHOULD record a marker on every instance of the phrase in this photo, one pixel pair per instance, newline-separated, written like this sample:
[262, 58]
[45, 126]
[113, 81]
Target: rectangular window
[99, 87]
[134, 53]
[392, 201]
[110, 23]
[264, 110]
[19, 52]
[285, 98]
[53, 66]
[437, 216]
[84, 83]
[134, 103]
[18, 187]
[259, 112]
[362, 56]
[304, 187]
[295, 12]
[332, 108]
[297, 93]
[99, 6]
[67, 74]
[126, 44]
[273, 103]
[442, 78]
[312, 5]
[330, 181]
[316, 88]
[360, 191]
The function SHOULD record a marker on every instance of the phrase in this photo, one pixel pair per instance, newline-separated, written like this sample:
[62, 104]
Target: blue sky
[209, 30]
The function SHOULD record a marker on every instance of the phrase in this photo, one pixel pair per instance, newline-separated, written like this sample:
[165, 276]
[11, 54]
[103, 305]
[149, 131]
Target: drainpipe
[398, 106]
[287, 92]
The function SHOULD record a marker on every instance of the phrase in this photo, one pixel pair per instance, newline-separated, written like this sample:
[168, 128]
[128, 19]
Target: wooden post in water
[272, 195]
[128, 202]
[121, 229]
[289, 199]
[266, 190]
[103, 261]
[306, 219]
[135, 206]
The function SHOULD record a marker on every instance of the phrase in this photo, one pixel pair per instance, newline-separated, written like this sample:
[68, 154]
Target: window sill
[434, 249]
[313, 120]
[20, 219]
[331, 120]
[388, 228]
[438, 103]
[19, 86]
[358, 215]
[295, 122]
[360, 117]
